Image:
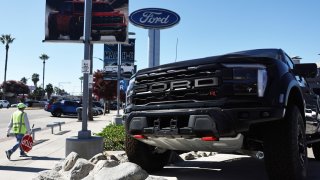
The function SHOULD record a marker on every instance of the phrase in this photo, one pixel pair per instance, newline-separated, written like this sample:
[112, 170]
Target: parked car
[4, 104]
[31, 103]
[95, 111]
[98, 107]
[64, 107]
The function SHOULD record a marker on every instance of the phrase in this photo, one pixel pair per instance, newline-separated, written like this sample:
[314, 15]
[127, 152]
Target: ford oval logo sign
[154, 18]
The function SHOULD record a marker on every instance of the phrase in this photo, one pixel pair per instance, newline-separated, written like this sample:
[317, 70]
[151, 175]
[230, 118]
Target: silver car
[4, 104]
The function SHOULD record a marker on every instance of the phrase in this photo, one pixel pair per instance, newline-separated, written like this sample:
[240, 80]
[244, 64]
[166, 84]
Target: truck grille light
[209, 138]
[139, 136]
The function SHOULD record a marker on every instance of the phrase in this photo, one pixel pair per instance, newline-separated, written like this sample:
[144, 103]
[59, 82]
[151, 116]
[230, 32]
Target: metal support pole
[44, 65]
[90, 87]
[154, 47]
[118, 78]
[85, 133]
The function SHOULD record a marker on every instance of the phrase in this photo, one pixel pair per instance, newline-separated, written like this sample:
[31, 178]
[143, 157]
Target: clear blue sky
[207, 28]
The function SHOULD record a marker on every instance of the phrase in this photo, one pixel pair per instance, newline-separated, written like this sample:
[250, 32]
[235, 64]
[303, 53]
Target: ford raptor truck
[68, 20]
[246, 102]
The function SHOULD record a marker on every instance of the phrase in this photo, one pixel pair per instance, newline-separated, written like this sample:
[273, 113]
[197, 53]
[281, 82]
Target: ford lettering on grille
[175, 85]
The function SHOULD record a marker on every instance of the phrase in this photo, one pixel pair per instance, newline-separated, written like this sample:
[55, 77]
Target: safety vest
[19, 127]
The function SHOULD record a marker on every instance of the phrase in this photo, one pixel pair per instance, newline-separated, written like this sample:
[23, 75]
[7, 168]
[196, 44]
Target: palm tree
[6, 39]
[49, 90]
[35, 79]
[24, 80]
[43, 57]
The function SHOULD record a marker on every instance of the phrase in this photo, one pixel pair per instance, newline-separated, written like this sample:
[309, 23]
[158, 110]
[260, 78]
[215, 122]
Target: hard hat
[21, 106]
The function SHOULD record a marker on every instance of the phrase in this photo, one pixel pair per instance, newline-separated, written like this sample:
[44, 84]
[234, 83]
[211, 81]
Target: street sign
[26, 143]
[85, 68]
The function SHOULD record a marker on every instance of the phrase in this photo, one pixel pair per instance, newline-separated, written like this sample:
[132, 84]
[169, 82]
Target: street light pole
[44, 65]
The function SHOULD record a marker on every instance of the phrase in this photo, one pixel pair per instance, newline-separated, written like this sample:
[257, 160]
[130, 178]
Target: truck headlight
[130, 91]
[249, 79]
[262, 81]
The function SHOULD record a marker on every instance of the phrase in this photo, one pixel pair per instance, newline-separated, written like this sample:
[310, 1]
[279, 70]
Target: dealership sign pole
[154, 19]
[84, 133]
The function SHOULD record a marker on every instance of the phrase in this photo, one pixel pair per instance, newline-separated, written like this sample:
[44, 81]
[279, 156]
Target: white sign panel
[90, 81]
[85, 68]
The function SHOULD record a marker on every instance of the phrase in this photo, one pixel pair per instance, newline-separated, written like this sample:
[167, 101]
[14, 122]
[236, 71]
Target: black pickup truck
[252, 101]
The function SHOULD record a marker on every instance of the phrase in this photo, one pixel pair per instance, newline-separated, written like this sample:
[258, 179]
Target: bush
[113, 137]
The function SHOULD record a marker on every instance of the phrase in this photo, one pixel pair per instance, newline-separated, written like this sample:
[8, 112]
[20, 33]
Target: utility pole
[85, 144]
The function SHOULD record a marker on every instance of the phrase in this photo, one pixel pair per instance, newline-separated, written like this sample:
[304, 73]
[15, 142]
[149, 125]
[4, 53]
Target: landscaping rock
[49, 175]
[125, 171]
[70, 160]
[80, 170]
[97, 158]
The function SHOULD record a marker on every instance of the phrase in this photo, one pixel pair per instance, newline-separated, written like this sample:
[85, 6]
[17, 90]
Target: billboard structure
[111, 60]
[65, 21]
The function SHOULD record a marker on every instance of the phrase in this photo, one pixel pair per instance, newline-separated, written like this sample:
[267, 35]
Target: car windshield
[269, 53]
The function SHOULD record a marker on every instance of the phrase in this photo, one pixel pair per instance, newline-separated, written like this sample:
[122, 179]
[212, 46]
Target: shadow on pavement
[240, 169]
[24, 169]
[61, 132]
[36, 142]
[45, 158]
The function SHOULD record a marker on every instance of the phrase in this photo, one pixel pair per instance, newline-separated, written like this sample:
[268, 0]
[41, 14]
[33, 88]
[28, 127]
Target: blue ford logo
[154, 18]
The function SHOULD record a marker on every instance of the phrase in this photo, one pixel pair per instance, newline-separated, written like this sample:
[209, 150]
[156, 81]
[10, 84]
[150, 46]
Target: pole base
[86, 148]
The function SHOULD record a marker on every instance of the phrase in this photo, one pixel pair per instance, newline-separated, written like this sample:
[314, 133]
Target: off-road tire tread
[141, 154]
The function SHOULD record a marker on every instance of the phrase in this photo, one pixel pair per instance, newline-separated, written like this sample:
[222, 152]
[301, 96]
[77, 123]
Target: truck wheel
[52, 28]
[96, 37]
[316, 151]
[285, 147]
[74, 30]
[57, 113]
[121, 37]
[145, 155]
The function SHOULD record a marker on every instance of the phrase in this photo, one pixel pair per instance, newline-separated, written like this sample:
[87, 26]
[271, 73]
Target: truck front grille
[188, 84]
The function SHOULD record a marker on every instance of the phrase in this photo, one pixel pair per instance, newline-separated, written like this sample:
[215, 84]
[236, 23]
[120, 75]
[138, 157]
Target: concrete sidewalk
[48, 149]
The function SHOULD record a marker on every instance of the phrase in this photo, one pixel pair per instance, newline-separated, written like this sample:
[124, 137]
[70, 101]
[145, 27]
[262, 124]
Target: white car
[4, 104]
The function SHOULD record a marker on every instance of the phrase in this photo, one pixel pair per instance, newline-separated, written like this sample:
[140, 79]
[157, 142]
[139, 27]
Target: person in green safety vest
[19, 125]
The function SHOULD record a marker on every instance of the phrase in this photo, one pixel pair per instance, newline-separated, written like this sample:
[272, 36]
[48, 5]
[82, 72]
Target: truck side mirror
[307, 70]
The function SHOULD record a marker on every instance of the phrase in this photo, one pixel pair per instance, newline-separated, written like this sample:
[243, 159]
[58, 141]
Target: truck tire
[52, 28]
[122, 36]
[57, 113]
[316, 150]
[74, 30]
[145, 155]
[285, 147]
[96, 37]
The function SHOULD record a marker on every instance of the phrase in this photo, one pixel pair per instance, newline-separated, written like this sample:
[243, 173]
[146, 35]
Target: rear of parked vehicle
[4, 104]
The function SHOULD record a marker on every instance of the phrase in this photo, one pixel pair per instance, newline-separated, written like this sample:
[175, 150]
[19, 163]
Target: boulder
[80, 170]
[97, 158]
[104, 163]
[49, 175]
[70, 160]
[125, 171]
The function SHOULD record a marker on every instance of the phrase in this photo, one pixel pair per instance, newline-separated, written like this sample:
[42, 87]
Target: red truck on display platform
[68, 20]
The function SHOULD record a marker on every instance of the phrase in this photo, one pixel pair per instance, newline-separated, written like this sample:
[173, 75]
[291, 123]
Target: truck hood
[227, 58]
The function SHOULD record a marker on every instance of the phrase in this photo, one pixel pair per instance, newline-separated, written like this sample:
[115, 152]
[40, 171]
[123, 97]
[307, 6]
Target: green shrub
[113, 136]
